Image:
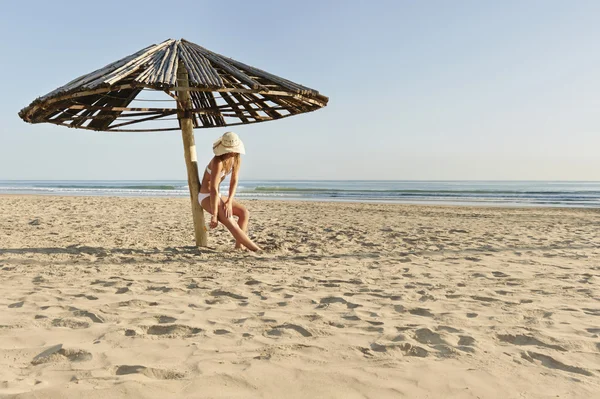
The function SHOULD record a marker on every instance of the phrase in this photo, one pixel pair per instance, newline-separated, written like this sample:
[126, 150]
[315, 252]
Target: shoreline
[319, 200]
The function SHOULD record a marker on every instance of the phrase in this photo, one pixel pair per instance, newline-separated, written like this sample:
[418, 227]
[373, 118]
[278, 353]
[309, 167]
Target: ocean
[492, 193]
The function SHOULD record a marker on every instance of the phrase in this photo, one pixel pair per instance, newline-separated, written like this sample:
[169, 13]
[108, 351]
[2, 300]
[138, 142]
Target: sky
[418, 90]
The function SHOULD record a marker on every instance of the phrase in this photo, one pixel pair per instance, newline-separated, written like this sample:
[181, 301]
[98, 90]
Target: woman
[227, 152]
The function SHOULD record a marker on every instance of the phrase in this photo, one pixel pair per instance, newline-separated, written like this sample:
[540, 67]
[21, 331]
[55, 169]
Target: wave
[134, 187]
[416, 191]
[493, 193]
[97, 190]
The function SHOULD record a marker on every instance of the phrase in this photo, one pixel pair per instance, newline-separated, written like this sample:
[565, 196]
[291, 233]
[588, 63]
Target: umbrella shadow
[102, 252]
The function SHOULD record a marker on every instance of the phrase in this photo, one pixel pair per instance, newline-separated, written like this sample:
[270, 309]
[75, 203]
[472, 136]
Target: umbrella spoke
[234, 107]
[143, 119]
[123, 99]
[199, 103]
[213, 104]
[264, 107]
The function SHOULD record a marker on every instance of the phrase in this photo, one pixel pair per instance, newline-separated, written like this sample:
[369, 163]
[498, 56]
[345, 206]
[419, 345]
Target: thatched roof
[223, 91]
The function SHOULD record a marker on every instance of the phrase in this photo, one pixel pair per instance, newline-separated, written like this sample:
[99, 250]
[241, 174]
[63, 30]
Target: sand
[108, 298]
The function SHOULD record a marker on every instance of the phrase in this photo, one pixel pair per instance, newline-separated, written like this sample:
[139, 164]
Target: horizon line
[324, 180]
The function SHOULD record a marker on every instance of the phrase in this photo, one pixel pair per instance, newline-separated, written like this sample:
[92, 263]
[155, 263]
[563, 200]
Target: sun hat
[229, 142]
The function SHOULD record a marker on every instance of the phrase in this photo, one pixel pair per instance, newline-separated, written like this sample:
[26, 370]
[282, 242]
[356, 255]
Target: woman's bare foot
[240, 247]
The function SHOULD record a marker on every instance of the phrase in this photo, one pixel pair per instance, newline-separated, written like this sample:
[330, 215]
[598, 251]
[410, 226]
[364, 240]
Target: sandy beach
[108, 298]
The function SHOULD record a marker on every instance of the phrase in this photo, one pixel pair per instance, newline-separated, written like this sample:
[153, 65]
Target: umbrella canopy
[223, 92]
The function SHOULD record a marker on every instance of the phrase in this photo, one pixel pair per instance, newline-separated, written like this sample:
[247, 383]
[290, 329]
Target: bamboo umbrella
[205, 90]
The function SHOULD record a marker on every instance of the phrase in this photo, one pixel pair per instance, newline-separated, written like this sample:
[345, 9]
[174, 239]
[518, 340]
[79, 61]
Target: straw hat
[229, 142]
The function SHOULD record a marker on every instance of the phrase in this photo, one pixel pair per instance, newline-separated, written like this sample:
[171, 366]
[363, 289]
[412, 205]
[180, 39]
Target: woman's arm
[232, 188]
[234, 179]
[215, 182]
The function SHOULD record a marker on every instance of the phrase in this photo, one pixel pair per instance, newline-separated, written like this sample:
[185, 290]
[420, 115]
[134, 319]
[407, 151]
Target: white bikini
[201, 196]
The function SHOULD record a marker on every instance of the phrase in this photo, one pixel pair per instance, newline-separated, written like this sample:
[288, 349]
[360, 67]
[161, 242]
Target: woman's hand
[214, 222]
[228, 209]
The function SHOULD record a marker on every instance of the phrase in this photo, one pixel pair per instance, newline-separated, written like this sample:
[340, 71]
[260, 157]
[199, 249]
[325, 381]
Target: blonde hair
[230, 163]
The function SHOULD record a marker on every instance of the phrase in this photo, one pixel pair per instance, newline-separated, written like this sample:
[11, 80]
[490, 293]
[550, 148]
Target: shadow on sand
[102, 252]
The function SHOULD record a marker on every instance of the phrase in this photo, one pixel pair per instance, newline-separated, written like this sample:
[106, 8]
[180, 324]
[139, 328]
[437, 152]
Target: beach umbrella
[203, 89]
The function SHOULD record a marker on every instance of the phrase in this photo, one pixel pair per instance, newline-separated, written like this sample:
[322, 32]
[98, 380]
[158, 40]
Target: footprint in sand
[466, 343]
[173, 331]
[399, 338]
[426, 336]
[276, 331]
[219, 293]
[137, 303]
[483, 298]
[338, 281]
[165, 319]
[448, 329]
[39, 280]
[70, 323]
[523, 340]
[399, 309]
[84, 313]
[149, 372]
[378, 330]
[453, 296]
[57, 353]
[421, 312]
[88, 297]
[365, 351]
[325, 302]
[411, 350]
[466, 340]
[159, 288]
[375, 347]
[104, 283]
[591, 312]
[550, 362]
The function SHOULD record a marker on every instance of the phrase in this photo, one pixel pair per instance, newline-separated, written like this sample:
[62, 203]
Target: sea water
[495, 193]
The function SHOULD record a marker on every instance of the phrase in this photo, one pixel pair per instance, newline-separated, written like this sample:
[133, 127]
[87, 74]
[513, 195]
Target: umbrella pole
[189, 150]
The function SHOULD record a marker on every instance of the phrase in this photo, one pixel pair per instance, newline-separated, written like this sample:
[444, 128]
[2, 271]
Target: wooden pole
[189, 149]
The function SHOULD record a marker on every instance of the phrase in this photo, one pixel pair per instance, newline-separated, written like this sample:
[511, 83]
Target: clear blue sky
[418, 89]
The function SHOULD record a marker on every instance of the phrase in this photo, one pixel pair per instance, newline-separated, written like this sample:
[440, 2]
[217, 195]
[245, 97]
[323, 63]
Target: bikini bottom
[201, 196]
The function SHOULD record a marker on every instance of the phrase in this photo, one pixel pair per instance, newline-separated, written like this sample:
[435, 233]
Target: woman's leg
[243, 216]
[241, 238]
